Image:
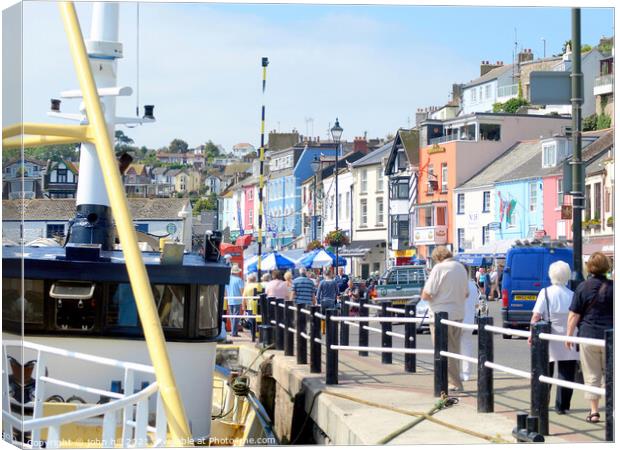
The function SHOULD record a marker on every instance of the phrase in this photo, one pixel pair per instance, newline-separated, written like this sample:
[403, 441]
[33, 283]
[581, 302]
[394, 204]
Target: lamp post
[315, 165]
[336, 135]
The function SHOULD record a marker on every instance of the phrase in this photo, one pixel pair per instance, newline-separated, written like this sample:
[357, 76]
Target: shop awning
[473, 259]
[244, 241]
[359, 249]
[604, 244]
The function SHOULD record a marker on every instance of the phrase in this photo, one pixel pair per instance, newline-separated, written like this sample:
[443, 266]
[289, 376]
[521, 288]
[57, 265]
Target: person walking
[303, 291]
[552, 306]
[446, 290]
[234, 294]
[592, 311]
[288, 279]
[250, 304]
[277, 287]
[342, 280]
[327, 292]
[467, 344]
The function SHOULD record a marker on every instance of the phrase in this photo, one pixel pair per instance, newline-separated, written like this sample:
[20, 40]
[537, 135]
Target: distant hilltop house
[23, 178]
[242, 149]
[193, 158]
[138, 181]
[61, 179]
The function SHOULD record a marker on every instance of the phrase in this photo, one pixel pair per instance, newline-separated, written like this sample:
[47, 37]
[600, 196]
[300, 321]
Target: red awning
[244, 241]
[604, 244]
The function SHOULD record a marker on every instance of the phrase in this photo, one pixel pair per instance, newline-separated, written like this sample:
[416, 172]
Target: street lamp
[336, 135]
[315, 165]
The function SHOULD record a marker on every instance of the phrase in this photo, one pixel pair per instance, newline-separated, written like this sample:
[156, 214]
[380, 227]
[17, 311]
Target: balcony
[506, 92]
[437, 235]
[604, 84]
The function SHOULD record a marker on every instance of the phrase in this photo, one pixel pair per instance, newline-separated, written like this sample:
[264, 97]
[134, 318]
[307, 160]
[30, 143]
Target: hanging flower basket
[313, 245]
[336, 238]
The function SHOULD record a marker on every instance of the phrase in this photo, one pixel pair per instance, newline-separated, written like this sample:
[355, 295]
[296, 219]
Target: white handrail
[378, 319]
[520, 373]
[573, 339]
[571, 385]
[78, 387]
[240, 316]
[82, 356]
[421, 351]
[512, 332]
[466, 326]
[459, 356]
[378, 299]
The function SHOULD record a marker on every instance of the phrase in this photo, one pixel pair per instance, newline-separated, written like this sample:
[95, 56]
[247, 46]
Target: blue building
[287, 169]
[519, 202]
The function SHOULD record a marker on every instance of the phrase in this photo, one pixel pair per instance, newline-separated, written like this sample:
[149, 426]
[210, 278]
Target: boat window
[32, 300]
[169, 298]
[75, 305]
[208, 298]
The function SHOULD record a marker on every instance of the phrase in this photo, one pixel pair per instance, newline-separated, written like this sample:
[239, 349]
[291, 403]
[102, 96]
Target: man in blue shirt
[234, 294]
[303, 289]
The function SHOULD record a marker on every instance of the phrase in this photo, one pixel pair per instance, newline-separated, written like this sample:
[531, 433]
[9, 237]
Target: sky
[370, 66]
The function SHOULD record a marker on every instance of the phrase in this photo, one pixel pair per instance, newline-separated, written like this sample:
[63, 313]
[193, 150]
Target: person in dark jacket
[592, 312]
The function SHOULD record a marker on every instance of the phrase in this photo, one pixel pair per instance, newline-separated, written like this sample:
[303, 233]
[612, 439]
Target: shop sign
[436, 149]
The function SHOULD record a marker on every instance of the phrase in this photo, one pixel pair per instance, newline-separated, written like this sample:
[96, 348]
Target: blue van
[527, 272]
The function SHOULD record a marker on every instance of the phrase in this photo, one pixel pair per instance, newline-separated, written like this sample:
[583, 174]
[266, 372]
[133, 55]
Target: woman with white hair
[552, 306]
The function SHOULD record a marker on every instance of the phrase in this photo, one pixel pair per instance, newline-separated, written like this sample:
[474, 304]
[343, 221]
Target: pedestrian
[264, 279]
[250, 303]
[288, 279]
[234, 293]
[552, 306]
[591, 311]
[277, 287]
[467, 345]
[446, 290]
[494, 280]
[303, 291]
[342, 279]
[326, 294]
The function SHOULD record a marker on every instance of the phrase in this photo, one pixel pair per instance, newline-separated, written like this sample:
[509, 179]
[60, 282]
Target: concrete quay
[373, 401]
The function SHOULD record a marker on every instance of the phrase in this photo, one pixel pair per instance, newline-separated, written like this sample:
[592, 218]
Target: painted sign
[494, 226]
[567, 212]
[436, 149]
[171, 228]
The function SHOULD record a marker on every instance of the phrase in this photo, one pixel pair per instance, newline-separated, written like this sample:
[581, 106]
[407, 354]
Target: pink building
[553, 199]
[248, 213]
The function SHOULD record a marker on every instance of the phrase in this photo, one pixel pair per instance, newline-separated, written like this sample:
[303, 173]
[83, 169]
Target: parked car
[527, 272]
[422, 311]
[403, 282]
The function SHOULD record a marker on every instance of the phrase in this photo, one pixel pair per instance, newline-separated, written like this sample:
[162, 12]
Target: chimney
[486, 67]
[457, 93]
[360, 145]
[420, 116]
[525, 55]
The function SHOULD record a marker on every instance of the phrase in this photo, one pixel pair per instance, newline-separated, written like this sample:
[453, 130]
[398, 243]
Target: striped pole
[261, 179]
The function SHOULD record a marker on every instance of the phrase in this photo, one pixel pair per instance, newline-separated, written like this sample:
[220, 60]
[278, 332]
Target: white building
[497, 83]
[242, 149]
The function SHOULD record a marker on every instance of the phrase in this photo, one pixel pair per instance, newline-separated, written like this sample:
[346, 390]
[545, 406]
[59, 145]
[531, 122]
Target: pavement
[373, 401]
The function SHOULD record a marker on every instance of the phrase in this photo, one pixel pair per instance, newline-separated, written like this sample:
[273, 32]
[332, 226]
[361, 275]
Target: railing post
[363, 333]
[486, 400]
[302, 347]
[441, 362]
[315, 347]
[344, 327]
[289, 336]
[410, 339]
[539, 392]
[270, 332]
[609, 385]
[331, 355]
[386, 340]
[279, 323]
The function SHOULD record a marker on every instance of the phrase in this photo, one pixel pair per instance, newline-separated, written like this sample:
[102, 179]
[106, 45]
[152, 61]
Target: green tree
[589, 123]
[178, 146]
[510, 106]
[205, 204]
[211, 151]
[121, 140]
[53, 152]
[603, 121]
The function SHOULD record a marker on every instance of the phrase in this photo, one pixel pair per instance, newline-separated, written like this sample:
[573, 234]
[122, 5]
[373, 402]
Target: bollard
[302, 347]
[486, 400]
[331, 355]
[363, 333]
[279, 321]
[527, 429]
[521, 425]
[539, 393]
[289, 336]
[441, 362]
[265, 329]
[609, 385]
[253, 328]
[410, 339]
[315, 347]
[344, 327]
[272, 316]
[386, 340]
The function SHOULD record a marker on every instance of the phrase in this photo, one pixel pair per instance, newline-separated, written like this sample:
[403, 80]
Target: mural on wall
[506, 208]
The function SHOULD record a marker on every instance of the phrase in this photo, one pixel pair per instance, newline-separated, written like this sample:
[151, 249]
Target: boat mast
[93, 221]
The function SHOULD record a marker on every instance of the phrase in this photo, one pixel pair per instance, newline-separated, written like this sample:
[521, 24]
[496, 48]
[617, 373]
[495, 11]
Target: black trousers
[567, 371]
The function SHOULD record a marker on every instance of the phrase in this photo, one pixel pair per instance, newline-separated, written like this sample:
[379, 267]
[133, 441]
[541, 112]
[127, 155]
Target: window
[597, 201]
[533, 189]
[444, 177]
[363, 212]
[486, 235]
[339, 206]
[61, 176]
[432, 180]
[363, 181]
[376, 267]
[549, 155]
[379, 203]
[560, 192]
[461, 238]
[487, 91]
[379, 187]
[531, 231]
[348, 205]
[54, 230]
[486, 201]
[460, 204]
[30, 304]
[401, 159]
[142, 227]
[400, 189]
[251, 217]
[473, 95]
[490, 132]
[400, 226]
